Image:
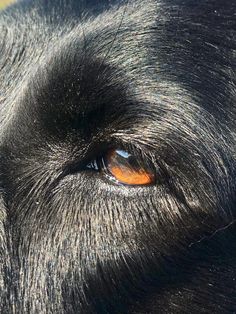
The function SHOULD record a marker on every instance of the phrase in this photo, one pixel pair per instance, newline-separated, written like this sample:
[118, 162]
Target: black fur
[157, 78]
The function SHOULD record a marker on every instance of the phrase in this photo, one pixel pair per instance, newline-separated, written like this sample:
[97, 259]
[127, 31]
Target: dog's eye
[124, 168]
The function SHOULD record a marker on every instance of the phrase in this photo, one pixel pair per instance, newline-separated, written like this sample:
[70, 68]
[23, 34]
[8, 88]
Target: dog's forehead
[31, 39]
[144, 36]
[148, 44]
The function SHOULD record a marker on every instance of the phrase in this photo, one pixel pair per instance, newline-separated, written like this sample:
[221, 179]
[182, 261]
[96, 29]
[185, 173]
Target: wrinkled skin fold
[157, 78]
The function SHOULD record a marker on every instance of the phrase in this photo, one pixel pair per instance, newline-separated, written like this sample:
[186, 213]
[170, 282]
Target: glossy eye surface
[126, 169]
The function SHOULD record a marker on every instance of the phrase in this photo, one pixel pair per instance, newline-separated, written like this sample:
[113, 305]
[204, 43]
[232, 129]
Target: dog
[118, 156]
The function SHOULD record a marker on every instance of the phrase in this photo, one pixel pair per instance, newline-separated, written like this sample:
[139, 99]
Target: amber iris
[125, 169]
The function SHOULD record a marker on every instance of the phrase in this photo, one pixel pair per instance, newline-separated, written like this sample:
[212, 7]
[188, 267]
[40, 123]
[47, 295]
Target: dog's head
[118, 157]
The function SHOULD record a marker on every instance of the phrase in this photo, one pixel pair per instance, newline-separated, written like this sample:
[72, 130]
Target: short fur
[156, 78]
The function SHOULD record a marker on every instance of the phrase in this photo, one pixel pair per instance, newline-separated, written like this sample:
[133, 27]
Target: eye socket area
[124, 168]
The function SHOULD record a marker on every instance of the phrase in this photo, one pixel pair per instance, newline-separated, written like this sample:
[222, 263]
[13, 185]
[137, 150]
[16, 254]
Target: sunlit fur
[156, 79]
